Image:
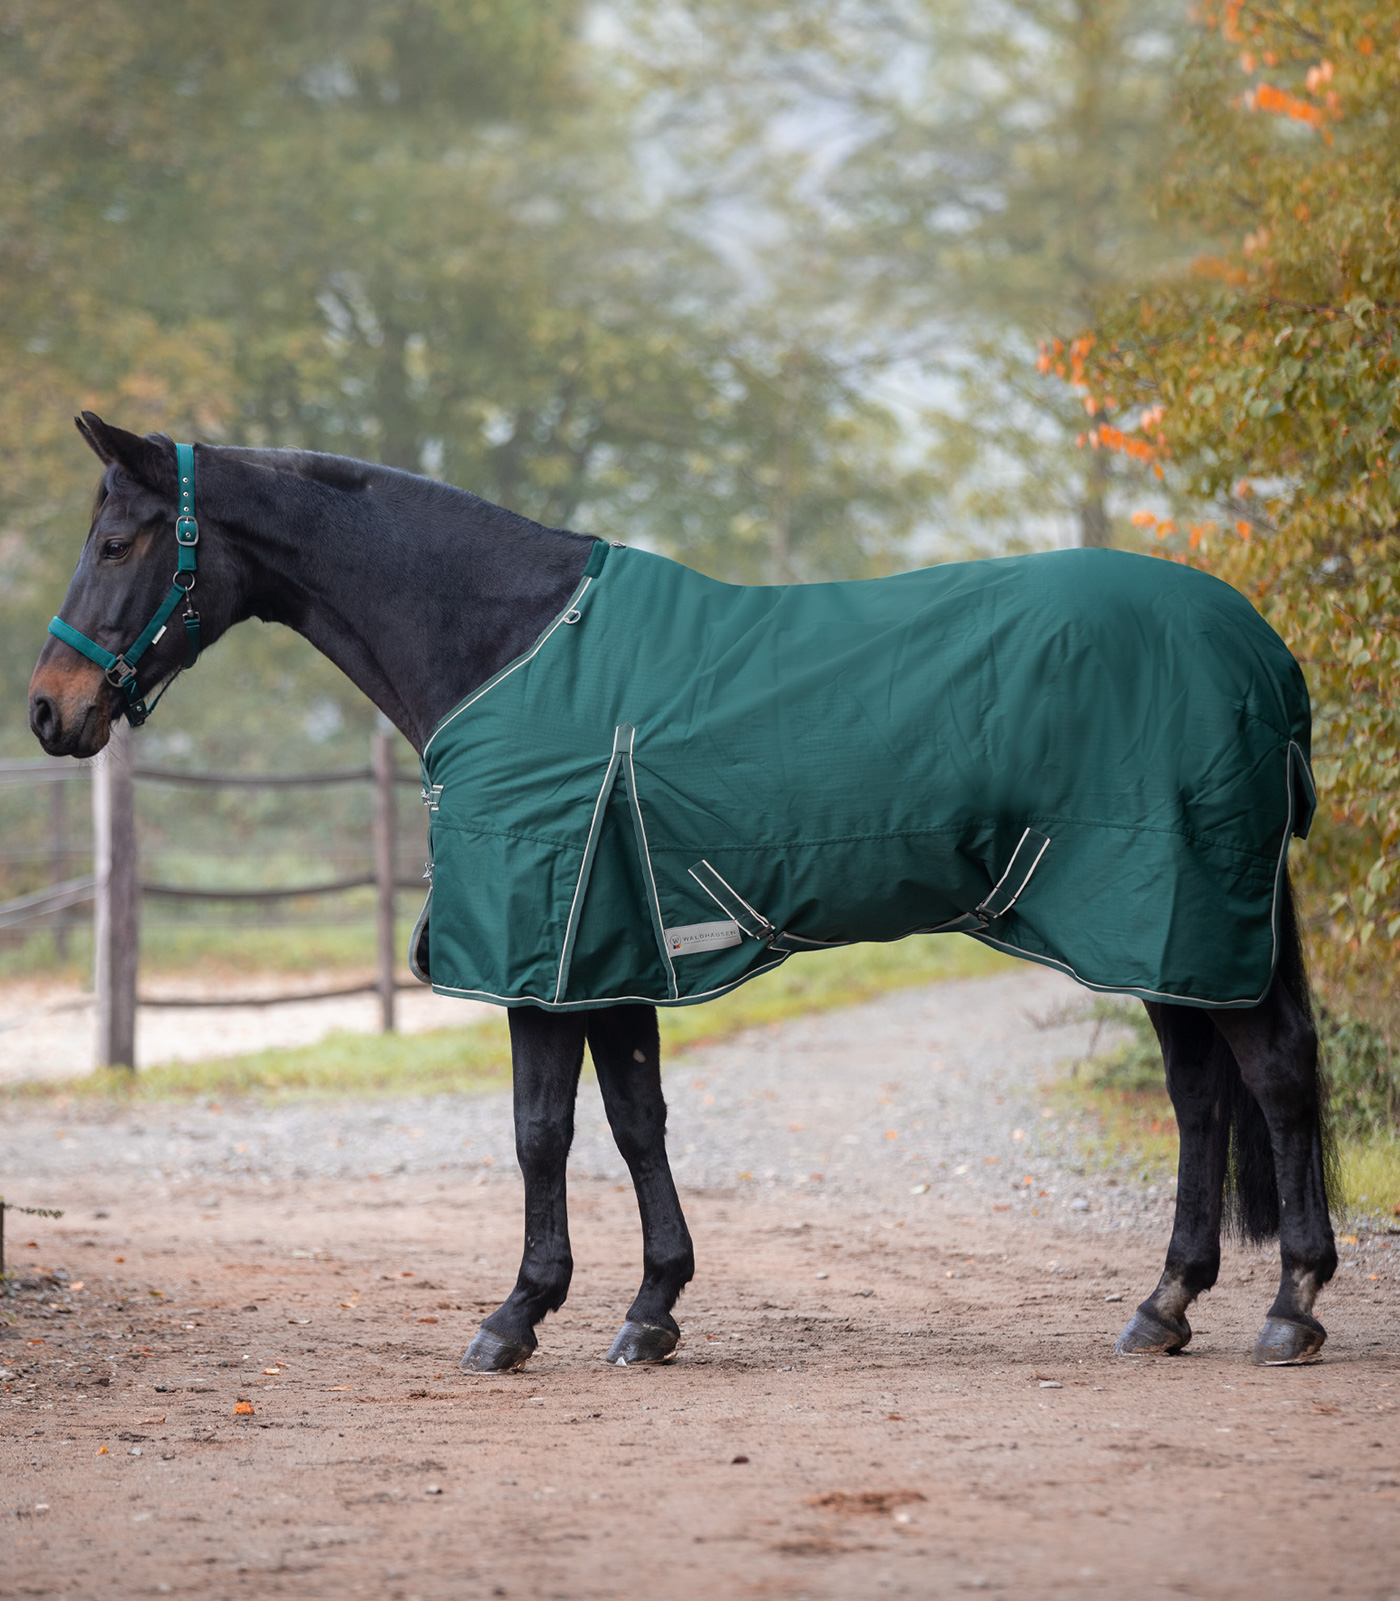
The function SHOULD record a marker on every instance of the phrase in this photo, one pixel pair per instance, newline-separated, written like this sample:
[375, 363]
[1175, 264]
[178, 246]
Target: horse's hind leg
[627, 1055]
[1191, 1049]
[1276, 1048]
[547, 1053]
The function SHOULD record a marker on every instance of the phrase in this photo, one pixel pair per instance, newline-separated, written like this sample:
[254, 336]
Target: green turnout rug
[1091, 759]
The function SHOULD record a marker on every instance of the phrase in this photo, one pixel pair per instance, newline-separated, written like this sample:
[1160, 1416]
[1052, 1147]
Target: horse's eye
[113, 549]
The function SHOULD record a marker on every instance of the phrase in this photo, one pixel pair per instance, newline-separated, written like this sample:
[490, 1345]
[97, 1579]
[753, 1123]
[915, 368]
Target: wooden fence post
[116, 922]
[59, 864]
[383, 766]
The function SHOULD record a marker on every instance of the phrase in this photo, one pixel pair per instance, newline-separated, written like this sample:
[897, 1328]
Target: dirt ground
[233, 1383]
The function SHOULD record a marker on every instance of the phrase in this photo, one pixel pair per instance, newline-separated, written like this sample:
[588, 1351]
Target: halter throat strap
[121, 669]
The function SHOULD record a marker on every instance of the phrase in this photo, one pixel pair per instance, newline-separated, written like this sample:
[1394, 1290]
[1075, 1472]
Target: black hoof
[642, 1342]
[493, 1353]
[1284, 1343]
[1150, 1334]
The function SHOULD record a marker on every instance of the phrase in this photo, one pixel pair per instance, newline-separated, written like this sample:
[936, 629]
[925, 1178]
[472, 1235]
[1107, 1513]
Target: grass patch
[1134, 1128]
[220, 951]
[1122, 1096]
[477, 1058]
[1370, 1175]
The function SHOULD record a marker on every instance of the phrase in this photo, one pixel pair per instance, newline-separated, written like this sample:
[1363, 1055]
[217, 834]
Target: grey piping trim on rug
[505, 672]
[585, 871]
[653, 899]
[609, 1000]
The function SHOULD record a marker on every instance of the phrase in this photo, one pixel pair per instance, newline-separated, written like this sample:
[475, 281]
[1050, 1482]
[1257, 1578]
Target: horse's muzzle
[69, 709]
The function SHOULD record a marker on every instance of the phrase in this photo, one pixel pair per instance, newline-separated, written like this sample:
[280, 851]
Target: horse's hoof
[642, 1342]
[1284, 1343]
[494, 1353]
[1150, 1334]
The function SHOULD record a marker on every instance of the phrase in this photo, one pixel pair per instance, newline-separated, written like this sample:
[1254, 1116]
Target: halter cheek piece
[121, 670]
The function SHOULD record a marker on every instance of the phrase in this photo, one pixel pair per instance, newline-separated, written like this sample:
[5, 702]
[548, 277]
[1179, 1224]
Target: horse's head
[121, 577]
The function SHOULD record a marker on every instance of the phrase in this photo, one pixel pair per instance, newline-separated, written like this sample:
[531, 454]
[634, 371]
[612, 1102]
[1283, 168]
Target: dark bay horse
[420, 593]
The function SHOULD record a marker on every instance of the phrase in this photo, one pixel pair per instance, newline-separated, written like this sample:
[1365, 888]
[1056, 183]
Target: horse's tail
[1251, 1184]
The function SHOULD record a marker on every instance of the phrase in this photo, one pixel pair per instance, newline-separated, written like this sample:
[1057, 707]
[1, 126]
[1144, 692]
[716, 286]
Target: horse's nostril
[43, 717]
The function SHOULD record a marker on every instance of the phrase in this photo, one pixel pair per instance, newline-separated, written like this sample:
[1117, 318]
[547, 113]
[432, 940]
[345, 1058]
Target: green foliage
[469, 1060]
[418, 231]
[974, 177]
[1133, 1064]
[1269, 370]
[1363, 1077]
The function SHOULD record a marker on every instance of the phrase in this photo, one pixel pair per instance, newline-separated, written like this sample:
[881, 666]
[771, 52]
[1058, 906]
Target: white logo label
[693, 937]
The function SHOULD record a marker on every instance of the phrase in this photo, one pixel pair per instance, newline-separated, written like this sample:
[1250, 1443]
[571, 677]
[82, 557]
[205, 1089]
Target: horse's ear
[150, 459]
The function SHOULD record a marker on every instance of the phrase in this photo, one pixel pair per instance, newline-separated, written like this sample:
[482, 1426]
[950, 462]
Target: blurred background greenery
[788, 292]
[756, 285]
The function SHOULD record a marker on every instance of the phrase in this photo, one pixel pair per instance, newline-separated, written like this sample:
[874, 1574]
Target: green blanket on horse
[1087, 758]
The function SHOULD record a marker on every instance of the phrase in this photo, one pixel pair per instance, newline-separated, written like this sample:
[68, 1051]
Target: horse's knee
[542, 1146]
[640, 1134]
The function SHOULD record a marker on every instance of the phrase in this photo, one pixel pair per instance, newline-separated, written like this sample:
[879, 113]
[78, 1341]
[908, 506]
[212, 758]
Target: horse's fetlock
[674, 1267]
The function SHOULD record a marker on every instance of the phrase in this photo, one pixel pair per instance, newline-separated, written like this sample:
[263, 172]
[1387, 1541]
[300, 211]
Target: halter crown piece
[121, 669]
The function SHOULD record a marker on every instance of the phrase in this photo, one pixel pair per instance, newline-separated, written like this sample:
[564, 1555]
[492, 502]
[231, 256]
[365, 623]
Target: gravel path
[230, 1369]
[931, 1087]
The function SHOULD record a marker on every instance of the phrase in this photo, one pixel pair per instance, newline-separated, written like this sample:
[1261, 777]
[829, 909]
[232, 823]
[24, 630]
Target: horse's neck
[416, 591]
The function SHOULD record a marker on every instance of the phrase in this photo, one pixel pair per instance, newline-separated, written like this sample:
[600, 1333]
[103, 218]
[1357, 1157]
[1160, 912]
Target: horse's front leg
[546, 1053]
[1197, 1062]
[626, 1052]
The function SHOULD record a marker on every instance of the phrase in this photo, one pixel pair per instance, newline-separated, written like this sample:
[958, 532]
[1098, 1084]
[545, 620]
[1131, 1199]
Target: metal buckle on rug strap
[730, 901]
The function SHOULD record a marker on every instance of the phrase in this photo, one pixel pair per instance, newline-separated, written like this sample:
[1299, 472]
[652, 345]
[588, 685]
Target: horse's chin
[81, 734]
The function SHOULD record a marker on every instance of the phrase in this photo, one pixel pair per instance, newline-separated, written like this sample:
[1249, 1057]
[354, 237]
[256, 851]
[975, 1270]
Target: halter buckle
[186, 531]
[120, 673]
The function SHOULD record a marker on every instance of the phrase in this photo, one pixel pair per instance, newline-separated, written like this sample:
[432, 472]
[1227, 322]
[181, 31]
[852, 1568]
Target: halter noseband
[121, 669]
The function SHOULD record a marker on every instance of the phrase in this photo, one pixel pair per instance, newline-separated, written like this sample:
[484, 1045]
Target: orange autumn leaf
[244, 1409]
[1125, 444]
[1268, 98]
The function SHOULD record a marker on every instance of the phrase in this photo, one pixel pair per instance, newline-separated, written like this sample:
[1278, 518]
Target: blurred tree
[1269, 374]
[962, 182]
[413, 230]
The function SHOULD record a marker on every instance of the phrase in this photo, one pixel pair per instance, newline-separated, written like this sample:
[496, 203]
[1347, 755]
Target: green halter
[121, 670]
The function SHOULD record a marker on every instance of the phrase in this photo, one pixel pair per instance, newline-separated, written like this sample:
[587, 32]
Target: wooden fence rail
[117, 890]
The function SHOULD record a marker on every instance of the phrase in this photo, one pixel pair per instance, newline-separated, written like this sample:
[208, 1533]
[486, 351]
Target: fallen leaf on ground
[875, 1502]
[243, 1409]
